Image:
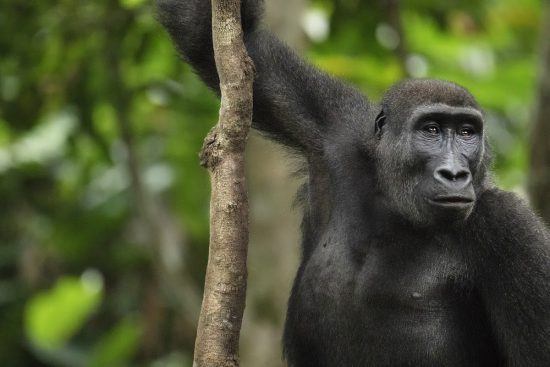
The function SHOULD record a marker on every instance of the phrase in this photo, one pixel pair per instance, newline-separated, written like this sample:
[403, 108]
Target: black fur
[390, 274]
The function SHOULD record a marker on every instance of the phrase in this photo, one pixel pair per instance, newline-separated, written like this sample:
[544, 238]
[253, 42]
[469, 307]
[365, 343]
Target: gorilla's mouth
[452, 200]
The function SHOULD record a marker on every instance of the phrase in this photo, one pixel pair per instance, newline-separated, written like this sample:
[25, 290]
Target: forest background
[103, 204]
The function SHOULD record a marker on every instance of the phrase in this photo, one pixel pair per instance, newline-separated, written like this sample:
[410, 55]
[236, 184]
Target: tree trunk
[393, 15]
[539, 185]
[223, 304]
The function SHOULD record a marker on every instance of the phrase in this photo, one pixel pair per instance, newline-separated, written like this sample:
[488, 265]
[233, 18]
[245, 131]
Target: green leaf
[105, 120]
[53, 316]
[118, 346]
[131, 4]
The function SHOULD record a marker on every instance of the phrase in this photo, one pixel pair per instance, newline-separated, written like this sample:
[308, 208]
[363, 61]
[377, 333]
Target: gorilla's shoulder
[500, 205]
[504, 217]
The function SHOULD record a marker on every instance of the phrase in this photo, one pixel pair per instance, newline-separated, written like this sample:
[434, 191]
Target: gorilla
[411, 256]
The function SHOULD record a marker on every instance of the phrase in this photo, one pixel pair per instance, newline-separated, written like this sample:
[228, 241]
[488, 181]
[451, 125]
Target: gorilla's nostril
[446, 175]
[462, 175]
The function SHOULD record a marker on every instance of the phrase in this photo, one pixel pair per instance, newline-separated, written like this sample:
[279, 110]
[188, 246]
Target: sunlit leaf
[130, 4]
[118, 346]
[53, 316]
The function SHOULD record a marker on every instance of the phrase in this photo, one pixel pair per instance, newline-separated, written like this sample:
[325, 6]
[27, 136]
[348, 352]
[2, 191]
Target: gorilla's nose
[454, 177]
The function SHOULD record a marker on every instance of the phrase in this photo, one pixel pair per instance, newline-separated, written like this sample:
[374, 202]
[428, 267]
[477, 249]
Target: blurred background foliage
[104, 208]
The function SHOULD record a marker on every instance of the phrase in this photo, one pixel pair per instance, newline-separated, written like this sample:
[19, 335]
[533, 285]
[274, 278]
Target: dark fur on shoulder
[411, 256]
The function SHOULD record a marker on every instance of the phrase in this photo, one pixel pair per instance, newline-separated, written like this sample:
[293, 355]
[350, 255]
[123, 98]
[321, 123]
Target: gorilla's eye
[432, 129]
[466, 132]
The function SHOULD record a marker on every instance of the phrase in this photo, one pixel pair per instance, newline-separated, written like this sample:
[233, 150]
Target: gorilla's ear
[379, 123]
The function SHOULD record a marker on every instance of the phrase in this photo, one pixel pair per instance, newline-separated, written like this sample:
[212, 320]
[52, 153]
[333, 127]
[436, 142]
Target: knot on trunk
[210, 152]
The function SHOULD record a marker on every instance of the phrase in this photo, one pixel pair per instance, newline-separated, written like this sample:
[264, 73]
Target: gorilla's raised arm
[293, 102]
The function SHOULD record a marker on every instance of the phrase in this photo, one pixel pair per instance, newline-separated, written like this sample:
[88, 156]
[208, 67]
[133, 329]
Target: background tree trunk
[392, 9]
[224, 298]
[274, 247]
[540, 152]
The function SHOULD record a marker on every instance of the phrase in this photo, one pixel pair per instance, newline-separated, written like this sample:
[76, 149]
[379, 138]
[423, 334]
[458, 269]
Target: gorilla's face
[430, 161]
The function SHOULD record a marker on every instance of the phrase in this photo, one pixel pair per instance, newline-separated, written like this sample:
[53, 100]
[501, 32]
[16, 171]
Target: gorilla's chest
[390, 304]
[397, 279]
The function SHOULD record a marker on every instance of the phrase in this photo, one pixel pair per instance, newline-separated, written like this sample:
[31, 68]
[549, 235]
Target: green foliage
[118, 346]
[54, 316]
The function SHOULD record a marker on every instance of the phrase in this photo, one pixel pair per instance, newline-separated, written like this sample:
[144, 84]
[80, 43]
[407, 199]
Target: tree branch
[223, 155]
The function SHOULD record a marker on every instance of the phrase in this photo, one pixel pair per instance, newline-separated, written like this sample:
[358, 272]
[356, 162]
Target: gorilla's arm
[293, 102]
[515, 277]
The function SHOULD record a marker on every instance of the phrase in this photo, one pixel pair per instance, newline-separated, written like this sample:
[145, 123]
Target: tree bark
[223, 155]
[539, 185]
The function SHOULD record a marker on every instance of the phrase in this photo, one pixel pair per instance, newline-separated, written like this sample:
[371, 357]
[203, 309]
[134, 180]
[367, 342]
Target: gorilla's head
[432, 156]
